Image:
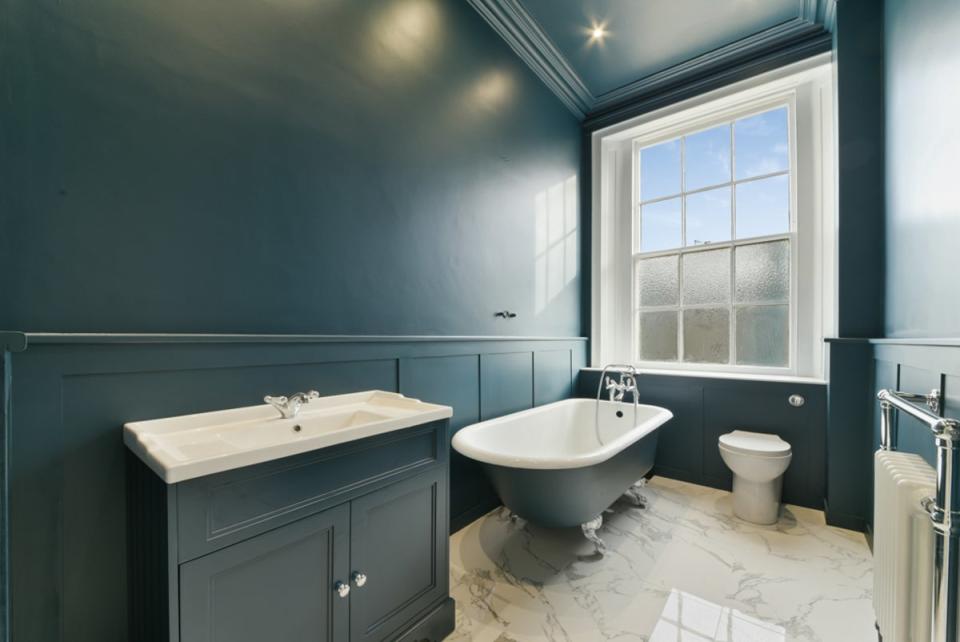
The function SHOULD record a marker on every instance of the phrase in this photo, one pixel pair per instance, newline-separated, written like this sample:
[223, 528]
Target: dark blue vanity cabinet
[344, 544]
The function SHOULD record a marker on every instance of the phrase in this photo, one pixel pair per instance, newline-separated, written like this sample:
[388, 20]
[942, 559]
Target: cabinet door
[275, 586]
[399, 542]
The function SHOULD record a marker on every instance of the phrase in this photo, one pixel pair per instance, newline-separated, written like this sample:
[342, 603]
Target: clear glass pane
[762, 272]
[763, 207]
[762, 335]
[706, 335]
[706, 277]
[658, 336]
[708, 217]
[660, 170]
[762, 144]
[660, 226]
[707, 158]
[658, 281]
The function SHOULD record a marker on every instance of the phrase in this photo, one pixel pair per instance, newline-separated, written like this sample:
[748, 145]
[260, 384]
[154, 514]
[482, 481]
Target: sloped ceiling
[647, 44]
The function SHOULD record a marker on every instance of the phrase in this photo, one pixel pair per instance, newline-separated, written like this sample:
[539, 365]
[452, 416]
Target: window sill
[705, 374]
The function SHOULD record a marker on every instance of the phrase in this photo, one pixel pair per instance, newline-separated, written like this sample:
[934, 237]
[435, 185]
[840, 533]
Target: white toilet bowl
[758, 462]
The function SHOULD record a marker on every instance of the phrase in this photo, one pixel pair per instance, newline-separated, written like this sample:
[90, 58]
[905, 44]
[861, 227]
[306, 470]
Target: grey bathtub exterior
[572, 496]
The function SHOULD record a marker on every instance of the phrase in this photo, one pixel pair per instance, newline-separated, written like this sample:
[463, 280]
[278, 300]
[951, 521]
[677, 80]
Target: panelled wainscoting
[67, 396]
[706, 407]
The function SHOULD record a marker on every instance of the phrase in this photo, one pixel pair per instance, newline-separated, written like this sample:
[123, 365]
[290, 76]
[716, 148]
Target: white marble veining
[798, 580]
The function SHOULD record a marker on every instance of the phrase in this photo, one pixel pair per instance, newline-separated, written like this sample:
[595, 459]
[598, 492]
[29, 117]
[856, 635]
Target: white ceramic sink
[181, 448]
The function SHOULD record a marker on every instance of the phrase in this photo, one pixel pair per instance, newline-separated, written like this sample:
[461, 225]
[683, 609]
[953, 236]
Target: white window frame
[806, 90]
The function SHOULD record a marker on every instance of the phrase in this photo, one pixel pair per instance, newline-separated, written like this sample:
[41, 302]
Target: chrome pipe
[888, 426]
[943, 508]
[945, 516]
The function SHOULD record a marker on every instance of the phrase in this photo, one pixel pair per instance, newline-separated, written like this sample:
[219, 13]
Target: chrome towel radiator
[943, 507]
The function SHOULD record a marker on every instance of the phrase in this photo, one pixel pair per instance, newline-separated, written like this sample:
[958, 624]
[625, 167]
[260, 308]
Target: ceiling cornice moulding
[525, 36]
[509, 19]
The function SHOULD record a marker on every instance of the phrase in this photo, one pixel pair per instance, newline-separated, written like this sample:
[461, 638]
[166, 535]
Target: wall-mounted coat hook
[505, 314]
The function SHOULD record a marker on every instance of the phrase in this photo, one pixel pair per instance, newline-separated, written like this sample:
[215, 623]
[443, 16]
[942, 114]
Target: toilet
[758, 461]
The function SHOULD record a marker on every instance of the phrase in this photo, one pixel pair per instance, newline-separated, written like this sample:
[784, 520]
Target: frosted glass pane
[706, 277]
[763, 207]
[762, 144]
[660, 170]
[708, 216]
[763, 272]
[660, 226]
[762, 335]
[706, 335]
[658, 281]
[707, 158]
[658, 336]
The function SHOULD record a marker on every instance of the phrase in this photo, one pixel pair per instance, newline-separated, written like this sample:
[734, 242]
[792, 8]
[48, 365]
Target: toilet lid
[755, 443]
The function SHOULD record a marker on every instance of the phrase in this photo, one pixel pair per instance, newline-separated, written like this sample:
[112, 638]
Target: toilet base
[757, 502]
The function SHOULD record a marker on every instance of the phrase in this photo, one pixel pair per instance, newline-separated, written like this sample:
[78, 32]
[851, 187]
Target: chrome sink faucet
[289, 407]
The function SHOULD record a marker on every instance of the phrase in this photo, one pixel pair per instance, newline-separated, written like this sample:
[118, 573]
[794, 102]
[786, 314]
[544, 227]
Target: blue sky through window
[762, 143]
[763, 207]
[707, 157]
[660, 170]
[660, 227]
[708, 216]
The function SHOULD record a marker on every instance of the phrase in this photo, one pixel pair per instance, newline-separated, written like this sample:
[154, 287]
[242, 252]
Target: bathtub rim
[462, 444]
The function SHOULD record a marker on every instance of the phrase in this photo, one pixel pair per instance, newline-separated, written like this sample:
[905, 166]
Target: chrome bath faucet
[627, 383]
[289, 407]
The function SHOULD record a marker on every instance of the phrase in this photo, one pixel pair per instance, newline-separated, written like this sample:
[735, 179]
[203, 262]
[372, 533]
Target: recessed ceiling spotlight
[598, 32]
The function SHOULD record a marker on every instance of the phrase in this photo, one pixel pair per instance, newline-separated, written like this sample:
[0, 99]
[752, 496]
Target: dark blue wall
[71, 396]
[858, 57]
[858, 52]
[706, 407]
[256, 166]
[895, 62]
[337, 167]
[922, 59]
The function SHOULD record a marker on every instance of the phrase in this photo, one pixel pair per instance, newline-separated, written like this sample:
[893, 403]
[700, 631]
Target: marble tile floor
[682, 569]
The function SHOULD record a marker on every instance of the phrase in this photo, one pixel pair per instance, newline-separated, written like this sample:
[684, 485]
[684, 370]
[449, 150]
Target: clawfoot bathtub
[562, 464]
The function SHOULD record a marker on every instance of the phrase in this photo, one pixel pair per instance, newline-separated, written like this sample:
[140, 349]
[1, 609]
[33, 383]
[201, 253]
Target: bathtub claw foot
[590, 532]
[639, 499]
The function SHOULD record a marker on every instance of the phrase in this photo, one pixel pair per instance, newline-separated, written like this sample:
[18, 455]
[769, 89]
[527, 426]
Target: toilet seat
[755, 444]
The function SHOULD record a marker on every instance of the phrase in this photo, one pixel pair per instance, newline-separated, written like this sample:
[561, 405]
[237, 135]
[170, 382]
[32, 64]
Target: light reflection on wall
[490, 90]
[404, 34]
[556, 243]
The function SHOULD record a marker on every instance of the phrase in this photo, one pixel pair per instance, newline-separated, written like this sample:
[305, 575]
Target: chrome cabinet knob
[342, 589]
[359, 578]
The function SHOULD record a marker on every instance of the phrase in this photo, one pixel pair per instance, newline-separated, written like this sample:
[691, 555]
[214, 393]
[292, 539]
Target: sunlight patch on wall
[555, 239]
